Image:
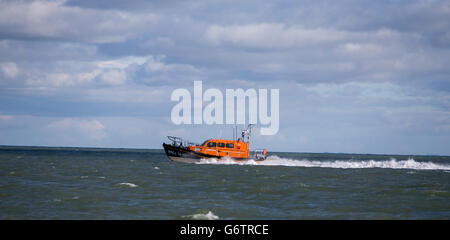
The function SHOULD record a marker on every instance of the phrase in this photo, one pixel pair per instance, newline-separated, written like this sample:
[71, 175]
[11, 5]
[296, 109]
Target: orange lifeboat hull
[182, 151]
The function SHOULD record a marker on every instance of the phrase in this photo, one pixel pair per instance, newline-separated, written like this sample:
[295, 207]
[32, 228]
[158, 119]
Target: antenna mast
[247, 132]
[233, 135]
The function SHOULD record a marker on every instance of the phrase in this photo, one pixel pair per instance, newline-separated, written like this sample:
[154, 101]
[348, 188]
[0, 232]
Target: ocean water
[91, 183]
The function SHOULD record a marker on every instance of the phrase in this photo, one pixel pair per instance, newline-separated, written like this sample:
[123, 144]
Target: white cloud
[94, 73]
[60, 79]
[122, 63]
[325, 54]
[279, 36]
[9, 69]
[155, 65]
[91, 129]
[361, 48]
[53, 19]
[134, 94]
[274, 35]
[360, 91]
[59, 74]
[114, 77]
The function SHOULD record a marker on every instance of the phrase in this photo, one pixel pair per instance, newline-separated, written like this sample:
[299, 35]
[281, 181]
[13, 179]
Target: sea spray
[392, 163]
[208, 216]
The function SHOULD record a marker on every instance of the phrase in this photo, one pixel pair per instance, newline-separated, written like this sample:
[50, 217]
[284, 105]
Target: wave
[207, 216]
[128, 184]
[392, 163]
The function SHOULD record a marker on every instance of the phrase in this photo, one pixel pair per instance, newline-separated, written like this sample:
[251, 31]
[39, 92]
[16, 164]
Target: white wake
[392, 163]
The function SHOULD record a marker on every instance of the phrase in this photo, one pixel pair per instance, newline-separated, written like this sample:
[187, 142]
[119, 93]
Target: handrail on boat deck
[177, 141]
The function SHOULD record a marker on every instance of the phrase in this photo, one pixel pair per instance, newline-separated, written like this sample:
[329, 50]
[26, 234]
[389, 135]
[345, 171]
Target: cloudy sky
[354, 76]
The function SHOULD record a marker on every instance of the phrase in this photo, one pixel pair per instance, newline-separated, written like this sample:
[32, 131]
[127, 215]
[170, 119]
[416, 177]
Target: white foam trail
[274, 160]
[207, 216]
[128, 184]
[225, 161]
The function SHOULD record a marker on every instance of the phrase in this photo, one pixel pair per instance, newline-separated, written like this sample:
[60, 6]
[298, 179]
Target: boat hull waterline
[183, 154]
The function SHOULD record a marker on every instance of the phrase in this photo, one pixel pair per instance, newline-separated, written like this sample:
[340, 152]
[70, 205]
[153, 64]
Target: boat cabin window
[211, 144]
[230, 145]
[221, 144]
[204, 143]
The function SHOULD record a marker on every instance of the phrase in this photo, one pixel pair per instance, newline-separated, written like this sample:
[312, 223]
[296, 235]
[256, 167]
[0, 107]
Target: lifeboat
[180, 150]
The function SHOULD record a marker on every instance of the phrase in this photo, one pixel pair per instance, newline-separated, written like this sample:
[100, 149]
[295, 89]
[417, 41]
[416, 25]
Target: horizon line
[130, 148]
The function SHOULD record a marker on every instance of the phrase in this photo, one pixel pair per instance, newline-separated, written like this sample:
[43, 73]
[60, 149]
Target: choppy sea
[96, 183]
